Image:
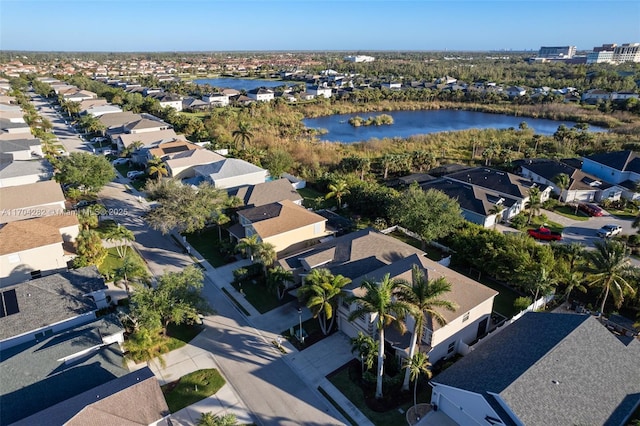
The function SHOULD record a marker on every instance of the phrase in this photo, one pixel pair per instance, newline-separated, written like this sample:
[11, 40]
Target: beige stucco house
[183, 164]
[31, 200]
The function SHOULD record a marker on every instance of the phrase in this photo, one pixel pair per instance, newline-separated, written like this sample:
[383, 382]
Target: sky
[362, 25]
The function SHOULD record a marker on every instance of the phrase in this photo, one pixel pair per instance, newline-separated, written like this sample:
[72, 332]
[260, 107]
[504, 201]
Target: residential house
[479, 205]
[195, 104]
[595, 95]
[306, 96]
[231, 172]
[13, 113]
[16, 173]
[47, 305]
[98, 110]
[623, 96]
[284, 224]
[319, 91]
[117, 120]
[267, 193]
[515, 91]
[261, 94]
[59, 364]
[145, 125]
[506, 185]
[147, 139]
[94, 103]
[21, 149]
[35, 247]
[620, 167]
[544, 369]
[14, 130]
[230, 92]
[216, 99]
[31, 200]
[166, 150]
[368, 254]
[79, 95]
[582, 186]
[184, 164]
[169, 100]
[395, 85]
[135, 398]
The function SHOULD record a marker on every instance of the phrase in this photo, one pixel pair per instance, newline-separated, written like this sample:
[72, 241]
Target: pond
[410, 123]
[239, 83]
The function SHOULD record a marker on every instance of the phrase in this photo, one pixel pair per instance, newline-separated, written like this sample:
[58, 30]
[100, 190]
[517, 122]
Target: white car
[118, 161]
[133, 174]
[609, 231]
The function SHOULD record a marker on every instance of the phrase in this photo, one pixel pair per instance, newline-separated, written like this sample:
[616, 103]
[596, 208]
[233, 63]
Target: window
[465, 317]
[36, 274]
[451, 347]
[346, 304]
[9, 303]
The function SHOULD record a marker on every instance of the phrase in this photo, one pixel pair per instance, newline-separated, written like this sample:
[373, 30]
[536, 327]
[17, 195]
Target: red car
[591, 209]
[544, 234]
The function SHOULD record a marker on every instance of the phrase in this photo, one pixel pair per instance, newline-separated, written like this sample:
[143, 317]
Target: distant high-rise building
[627, 52]
[359, 58]
[601, 54]
[557, 52]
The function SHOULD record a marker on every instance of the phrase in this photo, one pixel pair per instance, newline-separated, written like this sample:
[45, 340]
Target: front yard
[256, 293]
[208, 244]
[192, 388]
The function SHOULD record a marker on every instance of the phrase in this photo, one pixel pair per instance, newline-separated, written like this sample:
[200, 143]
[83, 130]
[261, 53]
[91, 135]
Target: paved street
[66, 134]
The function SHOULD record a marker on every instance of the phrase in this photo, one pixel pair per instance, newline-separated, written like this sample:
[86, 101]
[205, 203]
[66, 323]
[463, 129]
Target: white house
[392, 85]
[216, 99]
[515, 91]
[16, 173]
[595, 95]
[261, 94]
[620, 167]
[21, 149]
[319, 91]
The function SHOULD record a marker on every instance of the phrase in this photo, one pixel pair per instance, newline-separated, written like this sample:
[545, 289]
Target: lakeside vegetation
[377, 120]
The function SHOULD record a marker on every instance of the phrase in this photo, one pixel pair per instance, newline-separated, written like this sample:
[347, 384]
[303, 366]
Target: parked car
[591, 209]
[135, 174]
[84, 203]
[544, 234]
[107, 152]
[609, 231]
[98, 139]
[120, 160]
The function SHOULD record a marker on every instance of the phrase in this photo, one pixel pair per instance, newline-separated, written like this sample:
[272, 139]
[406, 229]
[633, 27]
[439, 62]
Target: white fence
[296, 182]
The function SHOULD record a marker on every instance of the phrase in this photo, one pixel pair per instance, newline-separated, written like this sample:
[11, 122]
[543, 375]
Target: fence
[416, 236]
[295, 181]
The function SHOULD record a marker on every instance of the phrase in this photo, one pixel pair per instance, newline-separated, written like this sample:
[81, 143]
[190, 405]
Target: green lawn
[310, 196]
[259, 297]
[312, 333]
[354, 393]
[113, 261]
[180, 335]
[624, 214]
[206, 242]
[503, 303]
[192, 388]
[105, 227]
[570, 212]
[538, 221]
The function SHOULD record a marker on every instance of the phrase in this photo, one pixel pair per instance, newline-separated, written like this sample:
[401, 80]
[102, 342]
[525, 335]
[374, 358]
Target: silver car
[609, 231]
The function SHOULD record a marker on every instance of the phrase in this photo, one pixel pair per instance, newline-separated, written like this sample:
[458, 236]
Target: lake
[409, 123]
[239, 83]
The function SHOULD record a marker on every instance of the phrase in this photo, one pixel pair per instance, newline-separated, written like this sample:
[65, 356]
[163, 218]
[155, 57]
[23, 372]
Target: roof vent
[555, 382]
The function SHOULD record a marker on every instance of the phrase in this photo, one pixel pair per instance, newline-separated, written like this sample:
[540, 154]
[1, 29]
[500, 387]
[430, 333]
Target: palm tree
[219, 218]
[424, 297]
[497, 210]
[156, 167]
[572, 280]
[534, 203]
[562, 182]
[338, 189]
[144, 345]
[242, 134]
[278, 279]
[416, 365]
[123, 236]
[265, 254]
[320, 293]
[367, 349]
[609, 267]
[208, 419]
[378, 302]
[248, 245]
[130, 269]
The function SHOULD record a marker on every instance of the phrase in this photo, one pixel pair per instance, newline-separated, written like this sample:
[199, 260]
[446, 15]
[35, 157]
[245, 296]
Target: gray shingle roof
[266, 193]
[26, 168]
[229, 167]
[494, 180]
[51, 299]
[619, 160]
[15, 145]
[554, 369]
[134, 399]
[34, 377]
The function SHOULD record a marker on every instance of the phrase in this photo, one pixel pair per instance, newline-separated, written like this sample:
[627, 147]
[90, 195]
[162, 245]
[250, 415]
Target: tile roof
[144, 123]
[619, 160]
[32, 233]
[34, 375]
[553, 369]
[229, 167]
[277, 218]
[148, 138]
[51, 299]
[30, 195]
[267, 192]
[173, 147]
[118, 119]
[133, 399]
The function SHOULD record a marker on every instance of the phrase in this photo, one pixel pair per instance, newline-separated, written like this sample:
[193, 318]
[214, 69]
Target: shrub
[519, 221]
[522, 303]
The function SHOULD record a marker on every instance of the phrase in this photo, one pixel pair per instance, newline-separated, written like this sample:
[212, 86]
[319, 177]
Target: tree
[609, 267]
[176, 300]
[320, 293]
[157, 168]
[497, 210]
[208, 419]
[130, 269]
[278, 280]
[242, 134]
[416, 365]
[424, 299]
[91, 124]
[220, 218]
[144, 344]
[367, 349]
[85, 171]
[431, 214]
[89, 216]
[338, 189]
[265, 254]
[182, 207]
[249, 245]
[572, 280]
[121, 236]
[378, 302]
[278, 161]
[89, 249]
[562, 182]
[533, 204]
